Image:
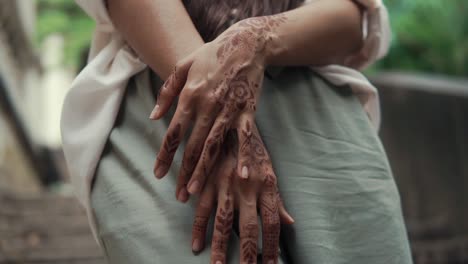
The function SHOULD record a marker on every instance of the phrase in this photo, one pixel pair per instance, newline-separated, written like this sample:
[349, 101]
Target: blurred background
[423, 84]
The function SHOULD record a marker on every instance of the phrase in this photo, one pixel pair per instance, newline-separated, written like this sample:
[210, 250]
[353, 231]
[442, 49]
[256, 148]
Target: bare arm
[160, 31]
[219, 82]
[321, 32]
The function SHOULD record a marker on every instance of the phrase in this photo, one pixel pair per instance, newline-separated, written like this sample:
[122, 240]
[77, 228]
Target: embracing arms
[161, 32]
[218, 84]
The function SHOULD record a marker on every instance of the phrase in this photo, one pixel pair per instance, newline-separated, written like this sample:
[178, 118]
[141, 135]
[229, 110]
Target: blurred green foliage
[428, 35]
[66, 18]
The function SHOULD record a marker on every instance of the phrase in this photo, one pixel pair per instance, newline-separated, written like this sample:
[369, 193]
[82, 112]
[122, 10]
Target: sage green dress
[332, 171]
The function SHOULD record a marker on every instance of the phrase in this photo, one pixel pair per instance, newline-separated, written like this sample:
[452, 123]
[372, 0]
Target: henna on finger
[270, 220]
[189, 162]
[252, 155]
[211, 151]
[223, 227]
[192, 153]
[202, 215]
[167, 152]
[249, 238]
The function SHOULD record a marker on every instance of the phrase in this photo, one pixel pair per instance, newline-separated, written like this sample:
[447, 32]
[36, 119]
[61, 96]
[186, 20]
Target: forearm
[319, 33]
[160, 31]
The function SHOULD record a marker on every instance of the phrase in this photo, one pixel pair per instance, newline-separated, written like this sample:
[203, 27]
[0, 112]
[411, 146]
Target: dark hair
[212, 17]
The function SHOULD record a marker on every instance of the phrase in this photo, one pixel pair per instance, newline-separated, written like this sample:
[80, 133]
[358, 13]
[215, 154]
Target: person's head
[212, 17]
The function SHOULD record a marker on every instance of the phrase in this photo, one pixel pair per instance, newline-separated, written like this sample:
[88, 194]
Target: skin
[236, 195]
[218, 85]
[150, 27]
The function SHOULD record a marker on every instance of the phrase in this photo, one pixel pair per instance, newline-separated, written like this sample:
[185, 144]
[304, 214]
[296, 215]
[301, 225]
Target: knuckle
[177, 66]
[199, 225]
[271, 226]
[166, 91]
[205, 121]
[189, 93]
[210, 100]
[251, 224]
[272, 223]
[203, 207]
[250, 228]
[218, 247]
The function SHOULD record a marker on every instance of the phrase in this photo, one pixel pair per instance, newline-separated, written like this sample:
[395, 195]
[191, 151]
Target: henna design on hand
[241, 94]
[249, 243]
[249, 35]
[252, 150]
[224, 218]
[238, 70]
[223, 227]
[262, 186]
[214, 142]
[270, 217]
[191, 160]
[170, 146]
[200, 223]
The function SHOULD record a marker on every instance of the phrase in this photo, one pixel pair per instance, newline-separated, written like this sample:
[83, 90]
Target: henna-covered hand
[232, 193]
[219, 85]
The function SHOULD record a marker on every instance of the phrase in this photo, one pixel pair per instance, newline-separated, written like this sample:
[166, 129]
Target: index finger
[171, 89]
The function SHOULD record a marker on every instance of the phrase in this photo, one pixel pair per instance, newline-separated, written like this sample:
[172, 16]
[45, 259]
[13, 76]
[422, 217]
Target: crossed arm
[161, 32]
[218, 85]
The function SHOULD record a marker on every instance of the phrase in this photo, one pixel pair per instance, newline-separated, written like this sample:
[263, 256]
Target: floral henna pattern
[213, 143]
[252, 149]
[224, 219]
[249, 243]
[246, 39]
[241, 93]
[249, 35]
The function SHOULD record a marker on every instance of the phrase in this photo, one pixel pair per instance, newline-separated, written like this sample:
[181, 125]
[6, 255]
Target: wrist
[265, 30]
[257, 36]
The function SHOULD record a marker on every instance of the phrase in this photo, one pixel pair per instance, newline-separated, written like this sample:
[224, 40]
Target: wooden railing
[425, 133]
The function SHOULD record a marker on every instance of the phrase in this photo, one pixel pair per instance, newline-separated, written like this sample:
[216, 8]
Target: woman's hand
[260, 191]
[219, 85]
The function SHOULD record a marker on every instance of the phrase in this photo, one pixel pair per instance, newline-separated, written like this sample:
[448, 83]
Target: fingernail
[291, 219]
[196, 245]
[154, 112]
[219, 262]
[245, 173]
[193, 188]
[159, 170]
[183, 195]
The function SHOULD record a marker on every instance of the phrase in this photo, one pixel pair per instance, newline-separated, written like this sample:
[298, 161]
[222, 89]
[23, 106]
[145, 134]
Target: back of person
[329, 166]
